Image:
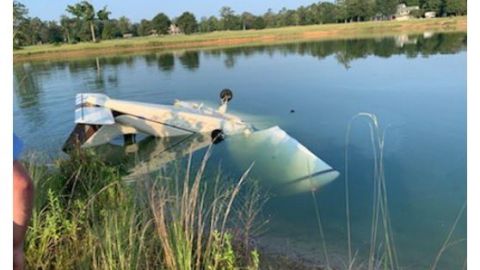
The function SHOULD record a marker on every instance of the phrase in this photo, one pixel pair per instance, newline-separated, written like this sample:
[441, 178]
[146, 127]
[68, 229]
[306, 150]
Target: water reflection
[27, 85]
[150, 154]
[166, 62]
[28, 88]
[190, 60]
[346, 51]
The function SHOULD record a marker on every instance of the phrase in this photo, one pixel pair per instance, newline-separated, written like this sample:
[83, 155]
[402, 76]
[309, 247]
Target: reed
[447, 243]
[193, 224]
[382, 251]
[382, 247]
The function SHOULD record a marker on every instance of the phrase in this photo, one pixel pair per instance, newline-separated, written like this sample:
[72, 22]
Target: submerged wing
[281, 162]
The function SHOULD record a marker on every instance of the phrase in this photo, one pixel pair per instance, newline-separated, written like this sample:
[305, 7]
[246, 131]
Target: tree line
[84, 23]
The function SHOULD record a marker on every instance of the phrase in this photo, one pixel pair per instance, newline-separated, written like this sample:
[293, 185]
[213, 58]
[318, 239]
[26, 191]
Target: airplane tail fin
[90, 116]
[90, 110]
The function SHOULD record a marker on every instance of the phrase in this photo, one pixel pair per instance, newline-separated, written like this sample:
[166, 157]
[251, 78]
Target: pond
[415, 85]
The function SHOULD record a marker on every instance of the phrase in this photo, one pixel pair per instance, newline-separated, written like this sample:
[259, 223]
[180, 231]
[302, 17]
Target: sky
[147, 9]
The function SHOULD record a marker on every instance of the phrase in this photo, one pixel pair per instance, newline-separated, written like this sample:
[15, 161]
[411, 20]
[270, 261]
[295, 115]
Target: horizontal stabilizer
[107, 133]
[94, 116]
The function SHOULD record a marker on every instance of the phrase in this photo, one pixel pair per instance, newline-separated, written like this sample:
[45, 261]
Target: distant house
[127, 35]
[430, 14]
[174, 29]
[152, 32]
[404, 12]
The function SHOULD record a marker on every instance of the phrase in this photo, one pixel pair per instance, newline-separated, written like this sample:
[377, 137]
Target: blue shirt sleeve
[17, 147]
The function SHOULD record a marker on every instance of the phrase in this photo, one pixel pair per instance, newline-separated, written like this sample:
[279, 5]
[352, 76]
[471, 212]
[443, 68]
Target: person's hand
[18, 258]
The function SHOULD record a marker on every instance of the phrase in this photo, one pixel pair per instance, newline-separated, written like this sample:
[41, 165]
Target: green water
[415, 85]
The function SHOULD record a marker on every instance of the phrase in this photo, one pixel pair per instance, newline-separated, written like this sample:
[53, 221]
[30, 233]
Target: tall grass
[448, 242]
[87, 217]
[249, 217]
[321, 231]
[382, 251]
[192, 225]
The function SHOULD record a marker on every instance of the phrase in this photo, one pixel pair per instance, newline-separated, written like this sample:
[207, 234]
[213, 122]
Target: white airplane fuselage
[100, 119]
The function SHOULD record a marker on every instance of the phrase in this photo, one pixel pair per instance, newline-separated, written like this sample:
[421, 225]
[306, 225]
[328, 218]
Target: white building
[430, 14]
[174, 30]
[403, 12]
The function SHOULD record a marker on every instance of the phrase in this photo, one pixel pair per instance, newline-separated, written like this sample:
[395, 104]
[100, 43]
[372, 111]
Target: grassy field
[248, 37]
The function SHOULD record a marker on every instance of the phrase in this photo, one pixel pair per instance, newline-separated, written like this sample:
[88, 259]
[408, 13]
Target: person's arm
[22, 210]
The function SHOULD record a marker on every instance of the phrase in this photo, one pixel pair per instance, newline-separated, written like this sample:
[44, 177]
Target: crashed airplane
[292, 168]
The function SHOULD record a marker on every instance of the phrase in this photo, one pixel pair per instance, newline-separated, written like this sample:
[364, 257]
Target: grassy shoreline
[236, 38]
[86, 216]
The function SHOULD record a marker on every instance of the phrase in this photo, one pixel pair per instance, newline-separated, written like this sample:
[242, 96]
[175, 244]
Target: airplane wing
[281, 162]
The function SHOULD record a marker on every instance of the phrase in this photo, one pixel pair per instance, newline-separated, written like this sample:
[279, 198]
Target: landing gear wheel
[217, 136]
[226, 95]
